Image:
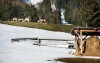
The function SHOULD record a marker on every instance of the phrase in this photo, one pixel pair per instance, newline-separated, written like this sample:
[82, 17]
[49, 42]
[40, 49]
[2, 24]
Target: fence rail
[40, 40]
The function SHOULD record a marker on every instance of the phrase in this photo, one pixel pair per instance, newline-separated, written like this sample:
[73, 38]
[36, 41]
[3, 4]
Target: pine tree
[6, 10]
[47, 9]
[87, 8]
[16, 8]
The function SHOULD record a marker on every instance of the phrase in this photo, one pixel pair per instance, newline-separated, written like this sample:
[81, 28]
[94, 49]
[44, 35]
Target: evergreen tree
[16, 8]
[14, 11]
[58, 11]
[72, 11]
[87, 8]
[47, 9]
[94, 19]
[6, 10]
[33, 13]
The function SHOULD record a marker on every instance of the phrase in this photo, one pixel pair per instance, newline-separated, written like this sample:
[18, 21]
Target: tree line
[17, 8]
[82, 12]
[45, 11]
[77, 12]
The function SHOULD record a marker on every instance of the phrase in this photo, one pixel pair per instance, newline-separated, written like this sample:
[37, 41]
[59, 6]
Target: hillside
[46, 26]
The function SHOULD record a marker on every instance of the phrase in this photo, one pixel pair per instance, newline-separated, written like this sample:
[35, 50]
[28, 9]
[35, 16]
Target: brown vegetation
[92, 46]
[46, 26]
[78, 60]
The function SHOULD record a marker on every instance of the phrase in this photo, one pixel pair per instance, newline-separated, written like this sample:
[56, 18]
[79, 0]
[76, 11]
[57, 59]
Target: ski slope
[25, 52]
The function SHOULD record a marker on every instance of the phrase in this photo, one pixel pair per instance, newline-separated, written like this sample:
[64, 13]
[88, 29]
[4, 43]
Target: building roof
[86, 31]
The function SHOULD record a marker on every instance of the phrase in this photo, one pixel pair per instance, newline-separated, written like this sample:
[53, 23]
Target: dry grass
[92, 46]
[78, 60]
[51, 27]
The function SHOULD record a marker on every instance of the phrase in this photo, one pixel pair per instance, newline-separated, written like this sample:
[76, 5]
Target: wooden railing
[39, 40]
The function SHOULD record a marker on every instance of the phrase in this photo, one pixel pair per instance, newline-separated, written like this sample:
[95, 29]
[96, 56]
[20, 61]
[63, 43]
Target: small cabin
[80, 36]
[27, 20]
[20, 19]
[41, 21]
[14, 19]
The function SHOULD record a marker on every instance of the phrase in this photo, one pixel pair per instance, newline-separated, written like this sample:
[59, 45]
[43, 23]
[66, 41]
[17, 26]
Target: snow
[35, 1]
[25, 52]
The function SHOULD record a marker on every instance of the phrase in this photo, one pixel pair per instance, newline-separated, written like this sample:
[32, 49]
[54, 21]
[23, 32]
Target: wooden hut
[80, 36]
[15, 19]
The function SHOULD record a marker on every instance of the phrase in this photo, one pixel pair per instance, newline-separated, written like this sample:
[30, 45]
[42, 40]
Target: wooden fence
[40, 39]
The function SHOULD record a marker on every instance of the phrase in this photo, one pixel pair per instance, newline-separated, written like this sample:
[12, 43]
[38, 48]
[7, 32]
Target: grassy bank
[78, 60]
[51, 27]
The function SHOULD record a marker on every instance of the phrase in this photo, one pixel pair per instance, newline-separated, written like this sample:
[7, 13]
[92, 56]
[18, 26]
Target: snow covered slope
[21, 52]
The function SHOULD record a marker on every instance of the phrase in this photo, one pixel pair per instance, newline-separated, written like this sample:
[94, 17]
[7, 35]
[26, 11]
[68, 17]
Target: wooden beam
[39, 42]
[87, 30]
[38, 39]
[77, 44]
[81, 43]
[76, 33]
[85, 37]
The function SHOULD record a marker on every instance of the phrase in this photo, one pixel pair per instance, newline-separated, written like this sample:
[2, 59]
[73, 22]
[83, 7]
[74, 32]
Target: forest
[77, 12]
[17, 8]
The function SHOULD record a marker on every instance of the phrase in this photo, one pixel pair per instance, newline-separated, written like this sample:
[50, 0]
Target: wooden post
[39, 42]
[86, 25]
[77, 46]
[81, 43]
[12, 40]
